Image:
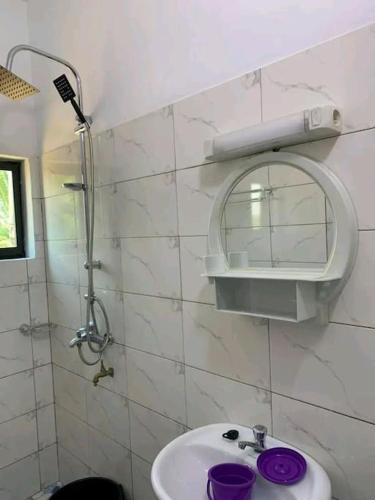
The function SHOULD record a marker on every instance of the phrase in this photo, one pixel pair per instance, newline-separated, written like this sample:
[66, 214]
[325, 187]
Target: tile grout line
[34, 380]
[180, 270]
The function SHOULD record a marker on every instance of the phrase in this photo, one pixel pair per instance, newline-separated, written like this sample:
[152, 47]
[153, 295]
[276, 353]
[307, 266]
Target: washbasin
[180, 470]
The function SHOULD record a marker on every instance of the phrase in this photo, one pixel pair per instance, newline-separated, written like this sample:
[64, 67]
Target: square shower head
[14, 87]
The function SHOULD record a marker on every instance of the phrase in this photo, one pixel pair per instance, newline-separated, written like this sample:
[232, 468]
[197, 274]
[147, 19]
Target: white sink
[180, 470]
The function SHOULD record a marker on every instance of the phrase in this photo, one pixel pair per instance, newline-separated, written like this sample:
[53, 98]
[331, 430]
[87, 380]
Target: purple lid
[282, 466]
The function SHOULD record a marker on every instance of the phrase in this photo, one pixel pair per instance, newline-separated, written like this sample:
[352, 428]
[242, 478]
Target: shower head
[14, 87]
[67, 94]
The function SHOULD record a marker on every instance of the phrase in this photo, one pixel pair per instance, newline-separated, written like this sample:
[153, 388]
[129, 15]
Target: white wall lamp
[305, 126]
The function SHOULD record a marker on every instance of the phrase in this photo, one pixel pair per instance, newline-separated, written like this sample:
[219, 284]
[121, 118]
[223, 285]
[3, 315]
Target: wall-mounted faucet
[82, 336]
[104, 372]
[258, 445]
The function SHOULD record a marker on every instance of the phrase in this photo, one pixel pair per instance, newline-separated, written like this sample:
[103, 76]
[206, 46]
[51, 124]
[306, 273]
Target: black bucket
[91, 488]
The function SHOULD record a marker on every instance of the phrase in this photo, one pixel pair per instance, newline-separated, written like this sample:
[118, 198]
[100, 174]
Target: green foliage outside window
[7, 220]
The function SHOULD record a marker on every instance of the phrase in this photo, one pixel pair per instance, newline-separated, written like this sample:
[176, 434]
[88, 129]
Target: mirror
[277, 216]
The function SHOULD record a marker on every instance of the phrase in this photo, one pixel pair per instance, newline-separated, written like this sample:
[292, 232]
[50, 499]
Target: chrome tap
[258, 445]
[81, 336]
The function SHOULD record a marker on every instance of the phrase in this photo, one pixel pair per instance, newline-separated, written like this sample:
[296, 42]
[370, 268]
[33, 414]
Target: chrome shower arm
[43, 53]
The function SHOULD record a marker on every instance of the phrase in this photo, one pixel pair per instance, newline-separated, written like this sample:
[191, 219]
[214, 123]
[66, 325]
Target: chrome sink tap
[258, 445]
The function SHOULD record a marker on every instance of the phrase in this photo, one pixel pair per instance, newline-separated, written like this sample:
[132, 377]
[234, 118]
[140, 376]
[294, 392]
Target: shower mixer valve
[81, 336]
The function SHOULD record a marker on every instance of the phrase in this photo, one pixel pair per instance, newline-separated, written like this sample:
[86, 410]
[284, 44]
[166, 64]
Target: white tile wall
[327, 437]
[151, 266]
[211, 398]
[338, 72]
[157, 383]
[25, 370]
[148, 206]
[177, 361]
[231, 106]
[154, 325]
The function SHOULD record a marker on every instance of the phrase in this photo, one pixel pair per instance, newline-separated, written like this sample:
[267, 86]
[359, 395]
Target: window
[11, 218]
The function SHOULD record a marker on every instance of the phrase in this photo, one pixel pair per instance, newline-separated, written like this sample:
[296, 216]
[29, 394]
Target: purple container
[230, 482]
[282, 466]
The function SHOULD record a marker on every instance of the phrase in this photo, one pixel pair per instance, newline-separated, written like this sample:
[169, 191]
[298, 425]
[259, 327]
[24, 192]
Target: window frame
[17, 252]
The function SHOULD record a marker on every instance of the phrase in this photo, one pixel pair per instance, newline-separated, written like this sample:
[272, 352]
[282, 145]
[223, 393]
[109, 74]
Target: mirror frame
[341, 261]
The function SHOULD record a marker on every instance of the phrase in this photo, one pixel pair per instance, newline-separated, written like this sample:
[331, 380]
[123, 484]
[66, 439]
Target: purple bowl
[282, 466]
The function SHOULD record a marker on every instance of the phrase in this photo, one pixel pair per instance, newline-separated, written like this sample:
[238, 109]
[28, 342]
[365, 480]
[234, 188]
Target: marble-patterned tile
[59, 166]
[18, 438]
[308, 365]
[154, 325]
[72, 434]
[144, 146]
[61, 299]
[62, 262]
[150, 432]
[350, 158]
[212, 399]
[256, 241]
[38, 305]
[331, 73]
[194, 286]
[228, 107]
[196, 191]
[12, 488]
[46, 426]
[355, 305]
[109, 413]
[43, 385]
[60, 220]
[157, 383]
[149, 206]
[14, 307]
[49, 467]
[109, 459]
[151, 266]
[297, 205]
[305, 243]
[70, 390]
[70, 468]
[41, 343]
[104, 154]
[142, 488]
[108, 251]
[230, 345]
[16, 353]
[17, 395]
[107, 210]
[12, 272]
[328, 437]
[36, 266]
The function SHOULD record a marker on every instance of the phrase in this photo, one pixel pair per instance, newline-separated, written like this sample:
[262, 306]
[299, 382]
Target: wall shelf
[288, 294]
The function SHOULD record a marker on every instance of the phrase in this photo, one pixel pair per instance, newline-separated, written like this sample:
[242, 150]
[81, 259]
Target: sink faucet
[258, 445]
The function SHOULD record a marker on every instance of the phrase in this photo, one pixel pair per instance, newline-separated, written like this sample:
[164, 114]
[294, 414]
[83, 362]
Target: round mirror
[277, 216]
